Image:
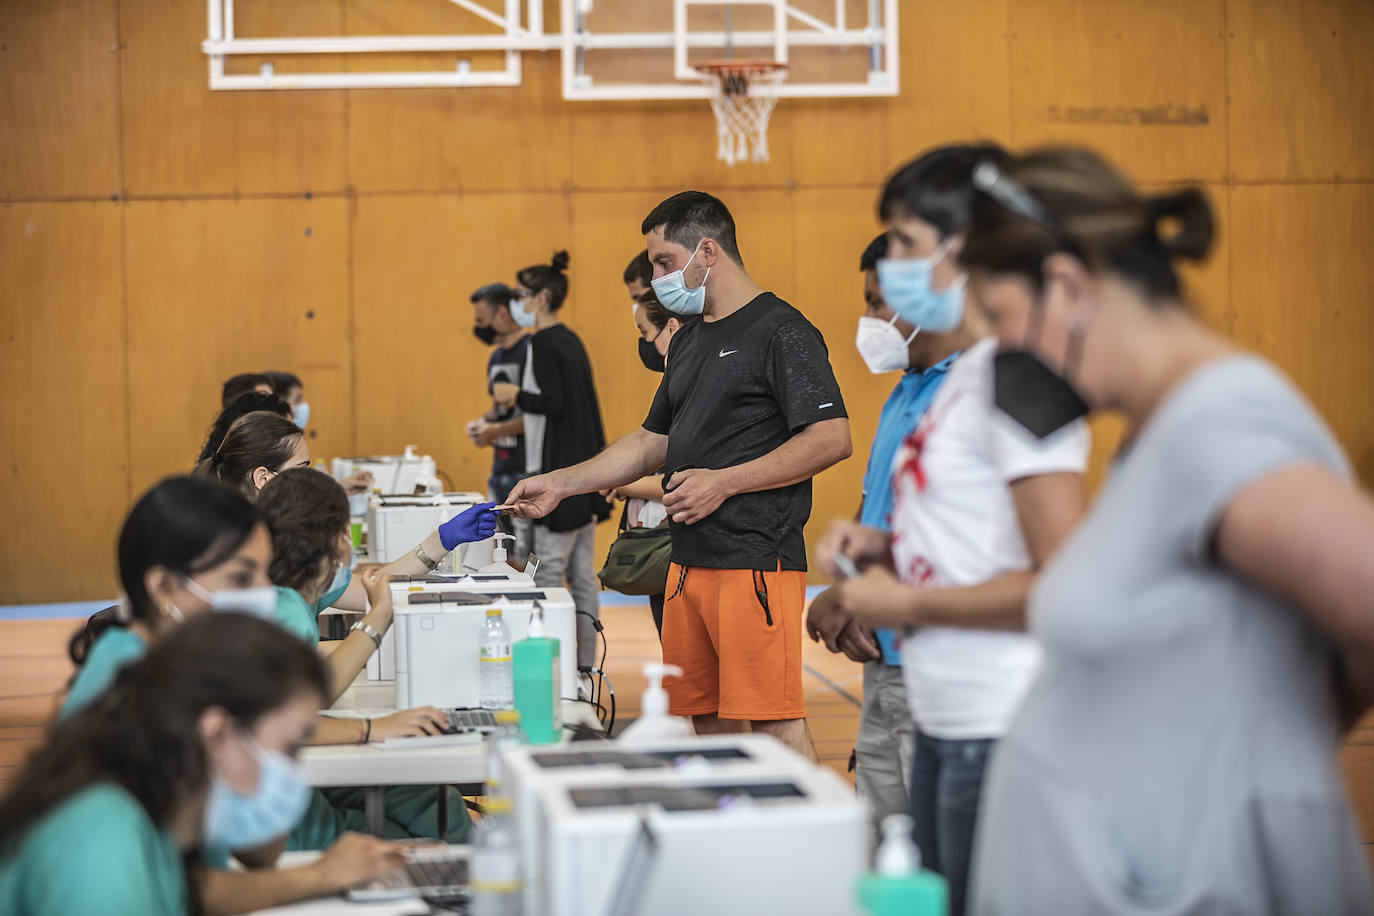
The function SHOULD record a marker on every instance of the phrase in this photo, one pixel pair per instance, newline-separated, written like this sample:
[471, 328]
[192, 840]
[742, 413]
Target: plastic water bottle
[499, 742]
[496, 679]
[495, 871]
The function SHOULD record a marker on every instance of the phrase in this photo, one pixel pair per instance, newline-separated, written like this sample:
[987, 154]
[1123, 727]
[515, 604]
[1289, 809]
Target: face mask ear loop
[1073, 354]
[1037, 318]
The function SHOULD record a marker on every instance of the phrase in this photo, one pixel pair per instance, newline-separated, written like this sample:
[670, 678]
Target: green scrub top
[328, 598]
[97, 852]
[116, 648]
[295, 616]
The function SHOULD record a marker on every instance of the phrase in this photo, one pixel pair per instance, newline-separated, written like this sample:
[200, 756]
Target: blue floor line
[74, 610]
[66, 610]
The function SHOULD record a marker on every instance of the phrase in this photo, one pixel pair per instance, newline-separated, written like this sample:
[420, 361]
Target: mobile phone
[846, 567]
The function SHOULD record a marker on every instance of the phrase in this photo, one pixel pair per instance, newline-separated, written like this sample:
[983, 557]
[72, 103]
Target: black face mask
[650, 357]
[1033, 394]
[485, 334]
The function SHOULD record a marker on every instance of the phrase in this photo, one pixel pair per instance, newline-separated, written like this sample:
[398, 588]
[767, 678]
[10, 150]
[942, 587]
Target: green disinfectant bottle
[898, 886]
[536, 668]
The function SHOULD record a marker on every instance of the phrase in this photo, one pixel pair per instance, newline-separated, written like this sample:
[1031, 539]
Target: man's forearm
[802, 457]
[626, 460]
[505, 428]
[998, 604]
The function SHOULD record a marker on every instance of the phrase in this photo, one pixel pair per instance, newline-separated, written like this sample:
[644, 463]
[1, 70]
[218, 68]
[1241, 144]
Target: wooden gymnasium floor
[34, 670]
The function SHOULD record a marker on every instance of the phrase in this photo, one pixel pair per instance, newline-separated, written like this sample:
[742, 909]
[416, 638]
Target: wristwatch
[423, 557]
[368, 631]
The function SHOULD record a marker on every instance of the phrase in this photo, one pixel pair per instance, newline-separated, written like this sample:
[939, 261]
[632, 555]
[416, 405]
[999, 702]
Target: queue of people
[1125, 704]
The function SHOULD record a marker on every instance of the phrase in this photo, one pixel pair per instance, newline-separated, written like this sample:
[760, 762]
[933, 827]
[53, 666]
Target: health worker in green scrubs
[192, 745]
[188, 548]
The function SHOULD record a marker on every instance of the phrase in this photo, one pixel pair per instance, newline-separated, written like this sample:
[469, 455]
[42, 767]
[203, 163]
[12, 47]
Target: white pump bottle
[498, 562]
[654, 723]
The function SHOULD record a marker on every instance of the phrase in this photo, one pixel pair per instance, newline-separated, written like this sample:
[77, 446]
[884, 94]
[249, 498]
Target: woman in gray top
[1208, 629]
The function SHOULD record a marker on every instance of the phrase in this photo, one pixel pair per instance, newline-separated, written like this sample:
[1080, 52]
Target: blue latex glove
[475, 524]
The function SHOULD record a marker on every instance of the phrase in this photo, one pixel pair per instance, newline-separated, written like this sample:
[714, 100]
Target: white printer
[381, 665]
[395, 524]
[721, 825]
[438, 636]
[408, 473]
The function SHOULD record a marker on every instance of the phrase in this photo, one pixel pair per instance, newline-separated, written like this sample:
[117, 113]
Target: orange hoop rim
[739, 66]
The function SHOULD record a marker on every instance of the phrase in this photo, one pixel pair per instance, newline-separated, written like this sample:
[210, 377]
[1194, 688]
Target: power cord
[599, 682]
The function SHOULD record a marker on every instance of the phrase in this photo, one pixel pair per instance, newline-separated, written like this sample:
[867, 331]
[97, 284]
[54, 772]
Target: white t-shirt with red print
[954, 523]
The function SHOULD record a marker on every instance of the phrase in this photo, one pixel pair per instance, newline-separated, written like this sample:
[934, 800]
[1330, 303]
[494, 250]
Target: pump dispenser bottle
[654, 723]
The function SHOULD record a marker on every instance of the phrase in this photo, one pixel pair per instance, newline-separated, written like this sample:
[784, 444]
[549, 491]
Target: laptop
[465, 727]
[434, 872]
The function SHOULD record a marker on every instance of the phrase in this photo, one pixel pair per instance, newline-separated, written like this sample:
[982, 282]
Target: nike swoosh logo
[725, 353]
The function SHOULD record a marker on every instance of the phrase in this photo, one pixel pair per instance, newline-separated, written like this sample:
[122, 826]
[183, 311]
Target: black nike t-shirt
[735, 390]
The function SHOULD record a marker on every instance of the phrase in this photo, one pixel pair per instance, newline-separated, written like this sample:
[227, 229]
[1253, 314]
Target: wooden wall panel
[1304, 297]
[218, 287]
[420, 372]
[1143, 82]
[59, 113]
[1300, 78]
[479, 139]
[833, 229]
[180, 138]
[63, 419]
[667, 146]
[954, 88]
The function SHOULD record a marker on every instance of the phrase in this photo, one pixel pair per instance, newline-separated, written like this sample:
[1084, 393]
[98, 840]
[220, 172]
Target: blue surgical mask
[672, 290]
[338, 585]
[521, 313]
[302, 414]
[235, 821]
[907, 291]
[259, 602]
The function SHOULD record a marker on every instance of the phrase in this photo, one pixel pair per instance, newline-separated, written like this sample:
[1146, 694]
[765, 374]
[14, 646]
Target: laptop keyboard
[431, 871]
[467, 720]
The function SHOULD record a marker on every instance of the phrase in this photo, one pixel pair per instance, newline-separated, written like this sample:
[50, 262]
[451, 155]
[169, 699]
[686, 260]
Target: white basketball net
[743, 102]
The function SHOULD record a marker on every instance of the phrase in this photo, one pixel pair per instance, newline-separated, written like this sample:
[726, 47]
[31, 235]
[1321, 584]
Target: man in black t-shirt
[502, 429]
[747, 413]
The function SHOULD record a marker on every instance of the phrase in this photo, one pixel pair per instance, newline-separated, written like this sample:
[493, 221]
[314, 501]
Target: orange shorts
[736, 635]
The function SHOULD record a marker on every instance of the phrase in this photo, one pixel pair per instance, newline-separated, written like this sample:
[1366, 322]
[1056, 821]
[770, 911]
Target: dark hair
[937, 186]
[552, 277]
[254, 440]
[1089, 209]
[240, 384]
[496, 295]
[656, 312]
[183, 524]
[247, 403]
[876, 250]
[283, 382]
[142, 734]
[306, 511]
[639, 269]
[690, 216]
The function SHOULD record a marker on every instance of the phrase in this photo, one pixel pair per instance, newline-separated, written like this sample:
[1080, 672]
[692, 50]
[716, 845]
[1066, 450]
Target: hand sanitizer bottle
[498, 562]
[535, 660]
[654, 723]
[897, 884]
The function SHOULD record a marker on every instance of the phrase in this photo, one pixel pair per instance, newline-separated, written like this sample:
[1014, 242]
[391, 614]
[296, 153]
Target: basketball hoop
[746, 91]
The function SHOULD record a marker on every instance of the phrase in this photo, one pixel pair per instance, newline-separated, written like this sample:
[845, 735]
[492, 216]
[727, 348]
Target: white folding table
[374, 766]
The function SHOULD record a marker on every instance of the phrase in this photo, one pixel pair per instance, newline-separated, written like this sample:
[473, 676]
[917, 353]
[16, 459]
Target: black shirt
[507, 365]
[573, 431]
[735, 390]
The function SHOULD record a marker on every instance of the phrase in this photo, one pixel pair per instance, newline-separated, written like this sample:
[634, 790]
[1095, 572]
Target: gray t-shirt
[1178, 752]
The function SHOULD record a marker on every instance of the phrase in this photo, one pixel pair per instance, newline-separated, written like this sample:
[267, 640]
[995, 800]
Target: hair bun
[1192, 238]
[560, 261]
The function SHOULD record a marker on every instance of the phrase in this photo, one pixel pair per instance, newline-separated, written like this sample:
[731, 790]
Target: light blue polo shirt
[902, 411]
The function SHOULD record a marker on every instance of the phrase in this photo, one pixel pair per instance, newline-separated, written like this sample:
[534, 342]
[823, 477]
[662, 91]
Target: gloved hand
[475, 524]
